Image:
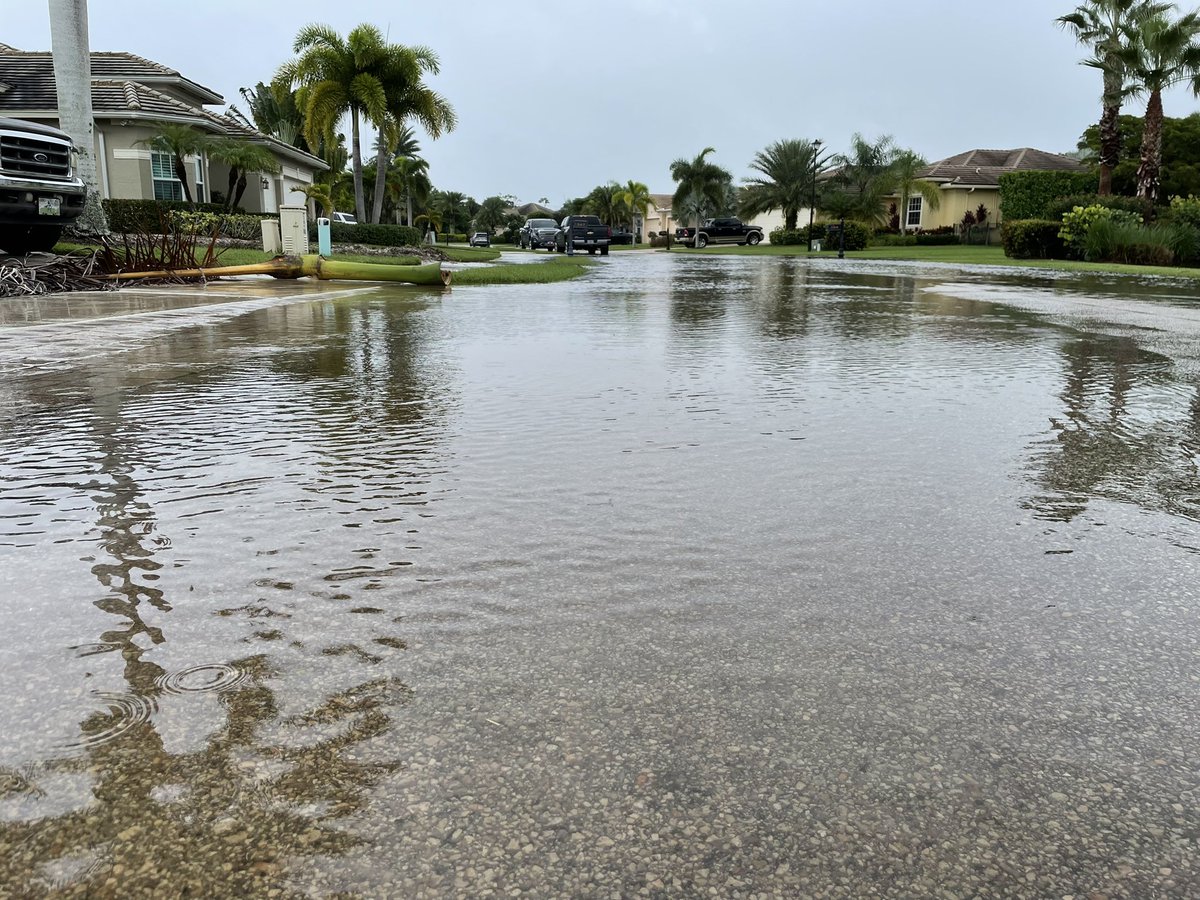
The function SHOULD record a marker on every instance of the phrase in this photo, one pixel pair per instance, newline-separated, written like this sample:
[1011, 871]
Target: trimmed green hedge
[373, 235]
[1027, 195]
[1060, 206]
[1032, 239]
[147, 215]
[857, 236]
[943, 239]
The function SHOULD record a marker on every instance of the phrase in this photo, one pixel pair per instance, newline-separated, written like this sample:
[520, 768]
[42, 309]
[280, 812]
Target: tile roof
[31, 76]
[976, 168]
[662, 201]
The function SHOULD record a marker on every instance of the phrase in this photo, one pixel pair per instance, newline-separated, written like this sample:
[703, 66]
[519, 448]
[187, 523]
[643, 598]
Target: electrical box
[324, 240]
[270, 235]
[293, 228]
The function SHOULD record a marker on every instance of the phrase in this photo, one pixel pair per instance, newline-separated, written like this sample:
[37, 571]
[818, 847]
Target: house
[131, 96]
[971, 179]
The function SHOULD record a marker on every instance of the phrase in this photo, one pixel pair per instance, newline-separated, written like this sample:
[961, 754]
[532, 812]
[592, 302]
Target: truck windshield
[542, 223]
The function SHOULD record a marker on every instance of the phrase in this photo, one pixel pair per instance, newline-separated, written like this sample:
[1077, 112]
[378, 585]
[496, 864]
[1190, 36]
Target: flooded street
[697, 576]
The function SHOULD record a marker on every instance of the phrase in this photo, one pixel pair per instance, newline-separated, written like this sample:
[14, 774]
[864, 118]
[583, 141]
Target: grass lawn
[973, 255]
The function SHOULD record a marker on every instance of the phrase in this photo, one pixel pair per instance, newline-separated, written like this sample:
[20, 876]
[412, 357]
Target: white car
[343, 218]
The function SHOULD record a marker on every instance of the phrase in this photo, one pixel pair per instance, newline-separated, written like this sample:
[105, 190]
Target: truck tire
[604, 251]
[753, 239]
[701, 241]
[19, 240]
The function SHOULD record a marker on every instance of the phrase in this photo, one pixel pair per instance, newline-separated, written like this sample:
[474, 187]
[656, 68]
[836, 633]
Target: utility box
[270, 234]
[293, 228]
[324, 239]
[816, 245]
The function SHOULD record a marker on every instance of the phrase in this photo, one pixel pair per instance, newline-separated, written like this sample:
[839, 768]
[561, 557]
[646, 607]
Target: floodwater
[697, 576]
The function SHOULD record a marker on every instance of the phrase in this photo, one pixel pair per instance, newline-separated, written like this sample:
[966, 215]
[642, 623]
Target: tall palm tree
[491, 213]
[409, 98]
[787, 169]
[702, 182]
[242, 158]
[274, 111]
[1162, 53]
[452, 208]
[360, 75]
[905, 167]
[178, 141]
[1104, 26]
[636, 198]
[604, 201]
[866, 173]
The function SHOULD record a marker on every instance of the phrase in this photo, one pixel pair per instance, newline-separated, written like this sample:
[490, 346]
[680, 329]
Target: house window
[913, 219]
[199, 180]
[166, 185]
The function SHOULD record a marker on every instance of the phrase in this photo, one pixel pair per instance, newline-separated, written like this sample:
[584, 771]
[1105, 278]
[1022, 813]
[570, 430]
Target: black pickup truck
[583, 233]
[722, 230]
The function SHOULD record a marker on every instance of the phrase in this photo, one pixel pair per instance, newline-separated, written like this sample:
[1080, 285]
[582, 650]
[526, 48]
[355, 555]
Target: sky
[554, 98]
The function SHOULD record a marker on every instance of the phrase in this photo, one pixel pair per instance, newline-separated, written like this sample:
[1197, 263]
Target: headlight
[74, 161]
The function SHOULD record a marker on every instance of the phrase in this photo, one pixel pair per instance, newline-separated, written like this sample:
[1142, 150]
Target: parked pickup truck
[722, 230]
[537, 233]
[39, 190]
[583, 233]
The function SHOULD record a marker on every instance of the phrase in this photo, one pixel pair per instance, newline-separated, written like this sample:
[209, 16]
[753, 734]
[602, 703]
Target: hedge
[857, 236]
[1060, 206]
[373, 235]
[1032, 239]
[1027, 195]
[147, 215]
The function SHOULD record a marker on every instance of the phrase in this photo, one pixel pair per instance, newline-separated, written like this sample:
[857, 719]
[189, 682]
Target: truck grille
[33, 157]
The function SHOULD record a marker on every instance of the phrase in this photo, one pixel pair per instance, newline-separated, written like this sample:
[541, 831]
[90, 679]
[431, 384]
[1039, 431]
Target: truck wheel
[753, 239]
[22, 239]
[701, 241]
[604, 251]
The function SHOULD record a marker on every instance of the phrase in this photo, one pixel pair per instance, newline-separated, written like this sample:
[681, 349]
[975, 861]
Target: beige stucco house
[130, 96]
[971, 179]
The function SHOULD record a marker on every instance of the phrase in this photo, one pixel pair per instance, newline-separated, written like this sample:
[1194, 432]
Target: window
[166, 185]
[913, 219]
[199, 179]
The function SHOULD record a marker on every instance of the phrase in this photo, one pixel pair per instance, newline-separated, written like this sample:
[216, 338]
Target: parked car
[537, 233]
[721, 230]
[583, 233]
[40, 192]
[344, 218]
[480, 239]
[621, 236]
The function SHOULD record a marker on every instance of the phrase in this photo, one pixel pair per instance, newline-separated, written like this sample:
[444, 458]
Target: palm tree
[451, 207]
[491, 214]
[409, 179]
[242, 158]
[1161, 54]
[409, 98]
[1104, 25]
[787, 171]
[604, 201]
[905, 167]
[700, 181]
[364, 76]
[178, 141]
[866, 173]
[636, 198]
[274, 111]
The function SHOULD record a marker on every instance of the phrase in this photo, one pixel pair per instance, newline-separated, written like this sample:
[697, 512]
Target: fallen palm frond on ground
[311, 266]
[30, 276]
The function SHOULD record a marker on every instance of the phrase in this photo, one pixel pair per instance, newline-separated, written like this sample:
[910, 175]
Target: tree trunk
[181, 174]
[360, 203]
[1110, 146]
[1151, 161]
[241, 188]
[230, 205]
[903, 211]
[381, 170]
[789, 219]
[408, 207]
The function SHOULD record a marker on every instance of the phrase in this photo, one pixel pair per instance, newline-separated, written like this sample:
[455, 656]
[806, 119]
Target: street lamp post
[812, 205]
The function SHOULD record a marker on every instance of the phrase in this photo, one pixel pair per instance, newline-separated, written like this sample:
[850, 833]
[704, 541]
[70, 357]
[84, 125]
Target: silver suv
[40, 191]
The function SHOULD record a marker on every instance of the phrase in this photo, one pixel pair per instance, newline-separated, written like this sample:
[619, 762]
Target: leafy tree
[702, 186]
[242, 158]
[604, 201]
[178, 141]
[905, 166]
[453, 209]
[1104, 26]
[788, 171]
[274, 112]
[408, 180]
[1161, 54]
[1180, 173]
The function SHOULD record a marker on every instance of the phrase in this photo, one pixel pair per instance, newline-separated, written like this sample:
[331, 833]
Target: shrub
[1079, 221]
[1184, 211]
[893, 240]
[1055, 209]
[1032, 239]
[1121, 241]
[375, 235]
[1026, 195]
[791, 238]
[937, 240]
[241, 227]
[147, 215]
[1184, 241]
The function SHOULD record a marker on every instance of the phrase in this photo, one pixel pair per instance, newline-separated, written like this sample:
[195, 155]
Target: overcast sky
[556, 97]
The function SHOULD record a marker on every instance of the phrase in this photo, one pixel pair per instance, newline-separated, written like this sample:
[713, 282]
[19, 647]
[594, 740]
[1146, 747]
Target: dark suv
[39, 190]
